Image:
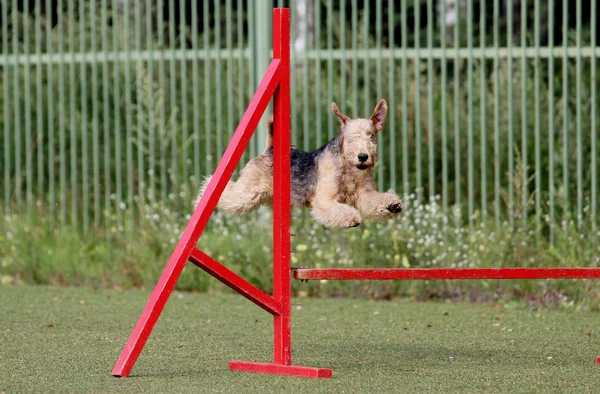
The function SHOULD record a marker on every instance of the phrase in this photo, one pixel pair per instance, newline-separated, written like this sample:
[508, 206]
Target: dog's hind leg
[253, 188]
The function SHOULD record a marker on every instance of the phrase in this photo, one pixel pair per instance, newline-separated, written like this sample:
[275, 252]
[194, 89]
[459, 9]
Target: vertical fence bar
[261, 47]
[184, 159]
[578, 68]
[173, 166]
[457, 102]
[538, 118]
[343, 91]
[27, 97]
[470, 150]
[161, 167]
[430, 118]
[218, 80]
[392, 93]
[417, 98]
[95, 115]
[229, 44]
[196, 94]
[305, 102]
[551, 116]
[73, 130]
[524, 164]
[294, 71]
[117, 117]
[128, 115]
[329, 68]
[207, 86]
[444, 109]
[318, 94]
[565, 108]
[39, 138]
[151, 106]
[7, 127]
[496, 112]
[511, 164]
[16, 97]
[106, 117]
[405, 173]
[241, 65]
[367, 71]
[61, 115]
[142, 187]
[379, 88]
[354, 58]
[51, 121]
[85, 166]
[594, 111]
[483, 109]
[253, 83]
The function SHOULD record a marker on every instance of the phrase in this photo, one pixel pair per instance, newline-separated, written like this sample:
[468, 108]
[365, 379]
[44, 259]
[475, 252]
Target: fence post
[262, 56]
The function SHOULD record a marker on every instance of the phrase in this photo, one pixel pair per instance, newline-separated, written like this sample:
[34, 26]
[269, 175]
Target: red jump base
[281, 369]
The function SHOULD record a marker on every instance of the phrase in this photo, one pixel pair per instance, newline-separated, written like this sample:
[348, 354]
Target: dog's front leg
[375, 205]
[331, 213]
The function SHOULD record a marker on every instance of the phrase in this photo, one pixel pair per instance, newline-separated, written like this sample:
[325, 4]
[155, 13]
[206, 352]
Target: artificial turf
[68, 339]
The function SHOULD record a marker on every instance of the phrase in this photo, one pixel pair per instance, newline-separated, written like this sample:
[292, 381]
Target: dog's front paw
[355, 224]
[354, 220]
[395, 207]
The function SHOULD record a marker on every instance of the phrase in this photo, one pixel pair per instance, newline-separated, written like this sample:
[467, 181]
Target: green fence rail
[109, 105]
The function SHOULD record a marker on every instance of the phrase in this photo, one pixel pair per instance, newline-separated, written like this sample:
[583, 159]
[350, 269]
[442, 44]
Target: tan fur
[345, 192]
[328, 204]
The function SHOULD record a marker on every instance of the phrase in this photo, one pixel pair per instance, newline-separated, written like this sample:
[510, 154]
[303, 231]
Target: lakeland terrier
[335, 182]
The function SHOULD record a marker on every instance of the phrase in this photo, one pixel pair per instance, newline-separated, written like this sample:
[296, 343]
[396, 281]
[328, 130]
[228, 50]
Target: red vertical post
[282, 338]
[281, 189]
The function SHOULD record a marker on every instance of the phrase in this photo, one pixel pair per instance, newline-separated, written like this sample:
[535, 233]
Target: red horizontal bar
[445, 273]
[281, 369]
[236, 282]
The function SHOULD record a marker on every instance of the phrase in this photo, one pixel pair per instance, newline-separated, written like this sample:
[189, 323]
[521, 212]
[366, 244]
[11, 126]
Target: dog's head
[359, 136]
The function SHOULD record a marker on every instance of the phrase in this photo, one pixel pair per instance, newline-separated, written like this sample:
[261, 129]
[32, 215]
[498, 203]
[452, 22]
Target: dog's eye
[372, 137]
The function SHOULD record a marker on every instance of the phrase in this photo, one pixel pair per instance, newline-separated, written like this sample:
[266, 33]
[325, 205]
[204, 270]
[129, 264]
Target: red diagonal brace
[236, 282]
[198, 222]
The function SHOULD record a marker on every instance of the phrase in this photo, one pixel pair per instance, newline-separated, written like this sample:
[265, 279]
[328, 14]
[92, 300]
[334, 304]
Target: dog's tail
[269, 133]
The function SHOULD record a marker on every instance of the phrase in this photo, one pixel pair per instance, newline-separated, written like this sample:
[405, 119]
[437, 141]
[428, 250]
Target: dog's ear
[343, 118]
[378, 117]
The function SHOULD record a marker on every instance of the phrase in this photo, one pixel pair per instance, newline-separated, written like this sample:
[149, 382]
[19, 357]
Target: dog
[335, 182]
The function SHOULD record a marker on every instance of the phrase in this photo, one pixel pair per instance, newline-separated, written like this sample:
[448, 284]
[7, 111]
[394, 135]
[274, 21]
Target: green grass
[67, 340]
[422, 237]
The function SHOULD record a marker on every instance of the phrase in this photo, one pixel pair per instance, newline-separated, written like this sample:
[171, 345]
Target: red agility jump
[276, 84]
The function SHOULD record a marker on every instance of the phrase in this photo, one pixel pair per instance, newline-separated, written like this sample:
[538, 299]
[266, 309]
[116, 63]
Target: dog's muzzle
[362, 158]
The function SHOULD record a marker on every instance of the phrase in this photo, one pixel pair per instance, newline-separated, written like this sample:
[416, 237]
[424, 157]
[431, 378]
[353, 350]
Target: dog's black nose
[363, 157]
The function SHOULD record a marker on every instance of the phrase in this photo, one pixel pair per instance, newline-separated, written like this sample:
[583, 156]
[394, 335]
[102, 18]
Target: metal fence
[109, 105]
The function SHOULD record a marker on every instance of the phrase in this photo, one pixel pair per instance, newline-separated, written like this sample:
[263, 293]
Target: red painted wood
[198, 222]
[282, 340]
[598, 360]
[280, 369]
[236, 282]
[445, 273]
